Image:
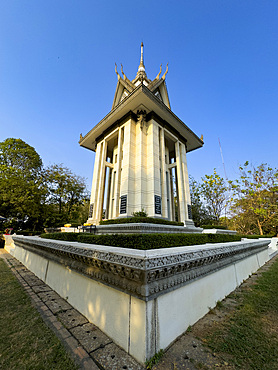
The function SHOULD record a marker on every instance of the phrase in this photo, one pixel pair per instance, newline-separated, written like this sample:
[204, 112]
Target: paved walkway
[89, 347]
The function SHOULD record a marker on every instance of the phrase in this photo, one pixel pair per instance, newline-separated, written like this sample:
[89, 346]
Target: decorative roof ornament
[157, 77]
[141, 69]
[163, 77]
[125, 86]
[122, 70]
[117, 72]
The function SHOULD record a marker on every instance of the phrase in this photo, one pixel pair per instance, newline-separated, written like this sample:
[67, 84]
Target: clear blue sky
[57, 76]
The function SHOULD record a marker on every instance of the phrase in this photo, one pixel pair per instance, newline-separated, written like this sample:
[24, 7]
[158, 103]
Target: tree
[214, 192]
[18, 155]
[21, 184]
[33, 197]
[200, 213]
[66, 192]
[255, 203]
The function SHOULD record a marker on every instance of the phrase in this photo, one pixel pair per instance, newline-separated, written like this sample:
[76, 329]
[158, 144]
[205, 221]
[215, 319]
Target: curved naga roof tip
[117, 71]
[160, 70]
[163, 77]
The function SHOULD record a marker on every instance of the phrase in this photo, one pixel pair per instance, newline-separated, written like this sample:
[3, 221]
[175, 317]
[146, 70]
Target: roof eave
[88, 141]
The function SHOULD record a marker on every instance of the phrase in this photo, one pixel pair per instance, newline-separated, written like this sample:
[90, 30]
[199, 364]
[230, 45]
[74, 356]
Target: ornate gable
[125, 87]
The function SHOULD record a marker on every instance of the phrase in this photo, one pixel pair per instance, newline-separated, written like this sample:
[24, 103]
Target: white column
[94, 191]
[169, 187]
[117, 180]
[112, 194]
[127, 175]
[140, 169]
[185, 177]
[99, 201]
[163, 175]
[153, 167]
[181, 190]
[172, 195]
[109, 172]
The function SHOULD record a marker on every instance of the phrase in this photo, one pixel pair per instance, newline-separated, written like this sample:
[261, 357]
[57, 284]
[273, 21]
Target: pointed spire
[141, 69]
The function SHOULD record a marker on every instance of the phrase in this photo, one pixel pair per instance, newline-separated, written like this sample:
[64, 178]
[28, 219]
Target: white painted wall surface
[180, 308]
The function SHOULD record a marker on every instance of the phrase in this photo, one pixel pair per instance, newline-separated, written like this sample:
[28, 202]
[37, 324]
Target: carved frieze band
[141, 276]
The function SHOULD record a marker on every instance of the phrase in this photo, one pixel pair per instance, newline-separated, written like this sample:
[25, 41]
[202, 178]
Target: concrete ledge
[219, 231]
[146, 228]
[143, 300]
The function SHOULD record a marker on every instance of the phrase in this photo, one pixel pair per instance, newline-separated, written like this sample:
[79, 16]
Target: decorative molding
[144, 228]
[144, 274]
[141, 118]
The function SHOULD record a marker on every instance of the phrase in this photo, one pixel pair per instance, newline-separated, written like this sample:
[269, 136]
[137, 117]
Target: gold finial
[163, 77]
[141, 68]
[81, 136]
[202, 137]
[117, 71]
[157, 77]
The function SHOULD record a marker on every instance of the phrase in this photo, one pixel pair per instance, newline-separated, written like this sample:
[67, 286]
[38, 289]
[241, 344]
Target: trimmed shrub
[155, 241]
[150, 220]
[223, 238]
[52, 230]
[70, 237]
[28, 233]
[147, 241]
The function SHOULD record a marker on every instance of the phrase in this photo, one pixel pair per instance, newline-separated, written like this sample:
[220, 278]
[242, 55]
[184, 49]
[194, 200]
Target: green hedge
[220, 227]
[150, 220]
[28, 233]
[144, 241]
[70, 237]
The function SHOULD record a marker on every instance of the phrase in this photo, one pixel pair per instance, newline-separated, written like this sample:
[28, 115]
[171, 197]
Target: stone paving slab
[46, 296]
[113, 357]
[58, 305]
[72, 318]
[32, 280]
[91, 337]
[41, 288]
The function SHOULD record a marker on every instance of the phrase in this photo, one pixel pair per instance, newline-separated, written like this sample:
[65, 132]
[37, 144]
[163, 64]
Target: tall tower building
[141, 148]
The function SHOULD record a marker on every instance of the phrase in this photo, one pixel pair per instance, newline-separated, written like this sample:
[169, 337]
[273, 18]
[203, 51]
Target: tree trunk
[260, 227]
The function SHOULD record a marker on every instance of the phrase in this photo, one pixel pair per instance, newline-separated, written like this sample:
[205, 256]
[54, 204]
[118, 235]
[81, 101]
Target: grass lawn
[248, 338]
[25, 340]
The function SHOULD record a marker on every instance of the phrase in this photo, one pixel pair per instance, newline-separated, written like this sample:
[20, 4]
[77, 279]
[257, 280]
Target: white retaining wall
[141, 327]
